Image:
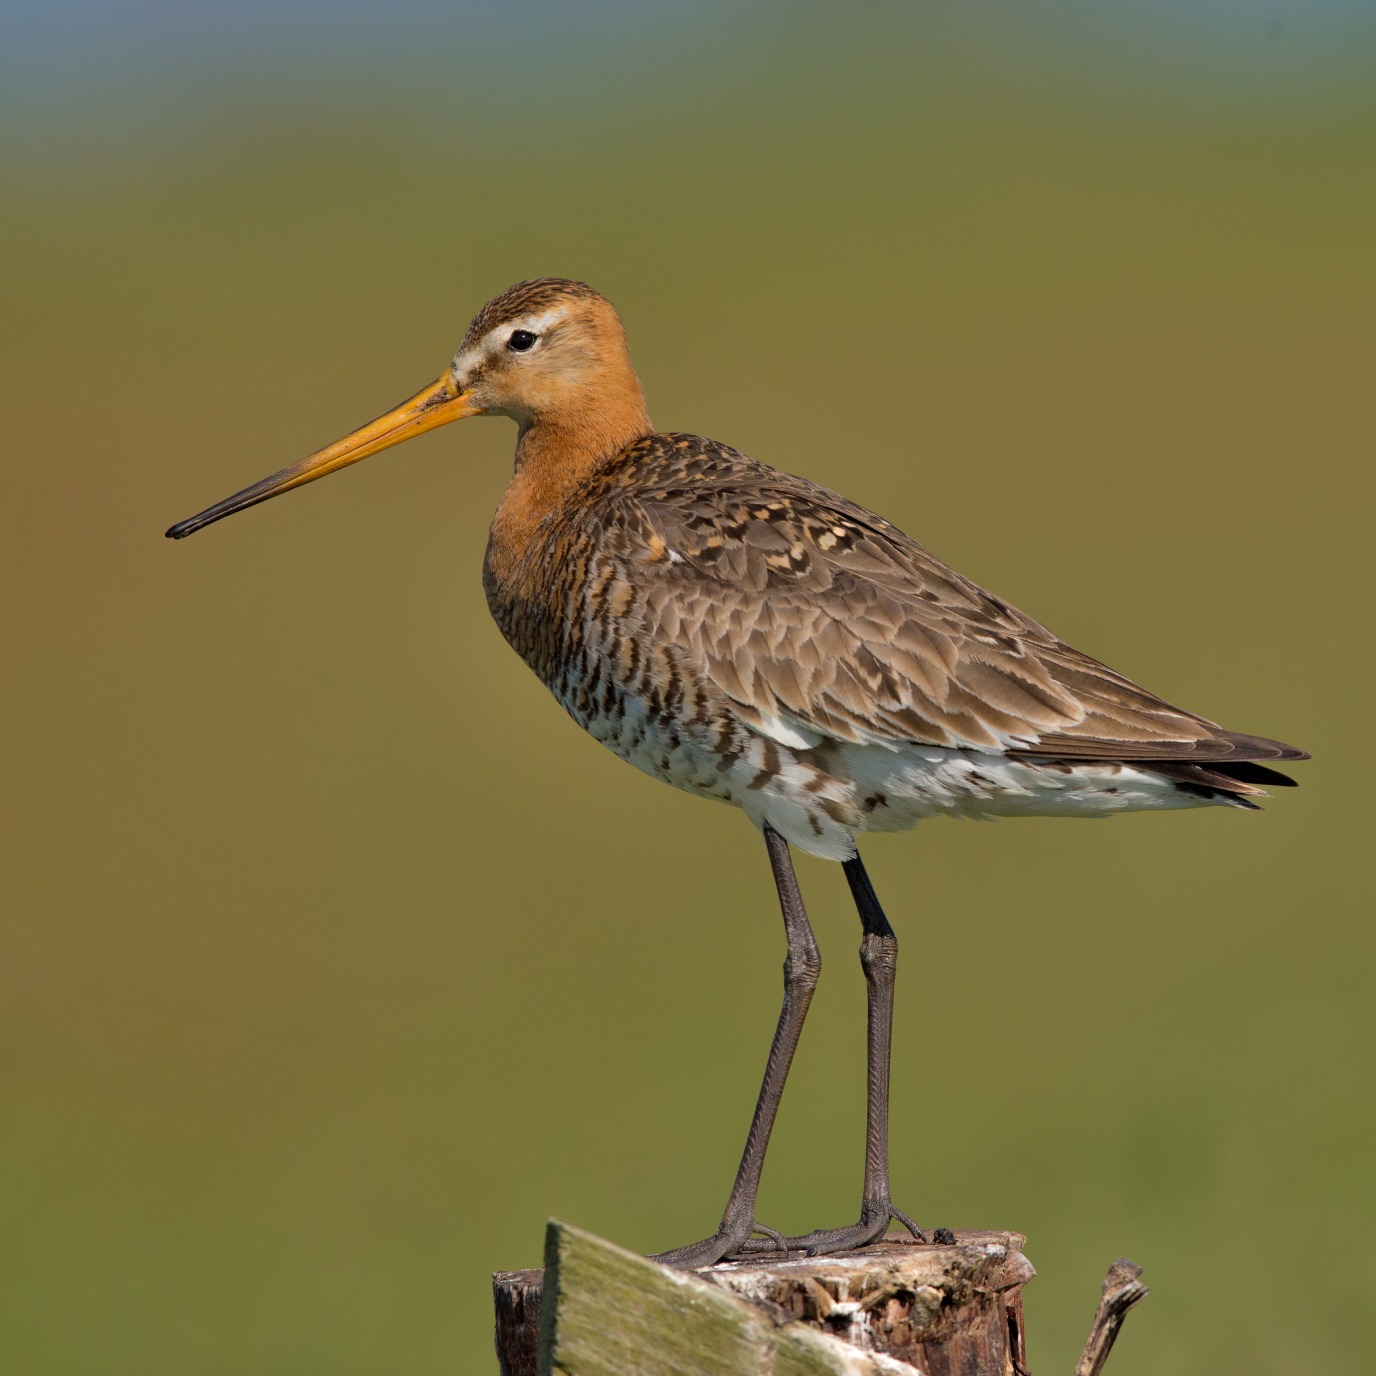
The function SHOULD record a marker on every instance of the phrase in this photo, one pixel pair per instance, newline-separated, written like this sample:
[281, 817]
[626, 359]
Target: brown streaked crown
[524, 298]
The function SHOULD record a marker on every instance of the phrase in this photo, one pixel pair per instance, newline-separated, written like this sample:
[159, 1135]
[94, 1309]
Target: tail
[1236, 782]
[1222, 767]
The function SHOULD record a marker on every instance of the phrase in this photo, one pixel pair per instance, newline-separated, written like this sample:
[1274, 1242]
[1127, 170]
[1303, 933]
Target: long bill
[437, 405]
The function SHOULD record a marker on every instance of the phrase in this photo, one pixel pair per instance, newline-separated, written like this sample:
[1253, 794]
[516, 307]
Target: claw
[896, 1213]
[777, 1241]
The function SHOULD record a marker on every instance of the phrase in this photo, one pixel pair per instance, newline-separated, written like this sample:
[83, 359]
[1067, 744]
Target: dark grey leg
[802, 966]
[879, 957]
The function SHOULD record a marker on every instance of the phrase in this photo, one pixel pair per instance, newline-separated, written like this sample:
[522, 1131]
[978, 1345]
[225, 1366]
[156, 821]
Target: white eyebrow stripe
[536, 324]
[494, 341]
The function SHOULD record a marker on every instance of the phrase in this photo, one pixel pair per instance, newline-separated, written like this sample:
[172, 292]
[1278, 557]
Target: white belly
[818, 799]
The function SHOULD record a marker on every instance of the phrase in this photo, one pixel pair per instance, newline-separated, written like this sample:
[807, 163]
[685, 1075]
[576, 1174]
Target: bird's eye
[521, 340]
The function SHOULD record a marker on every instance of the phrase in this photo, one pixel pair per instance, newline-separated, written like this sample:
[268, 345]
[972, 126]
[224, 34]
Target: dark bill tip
[250, 496]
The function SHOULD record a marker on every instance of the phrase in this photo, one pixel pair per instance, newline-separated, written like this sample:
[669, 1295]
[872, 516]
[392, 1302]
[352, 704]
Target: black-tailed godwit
[749, 636]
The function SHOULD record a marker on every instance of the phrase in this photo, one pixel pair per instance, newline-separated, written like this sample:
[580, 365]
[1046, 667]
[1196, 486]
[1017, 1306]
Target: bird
[750, 636]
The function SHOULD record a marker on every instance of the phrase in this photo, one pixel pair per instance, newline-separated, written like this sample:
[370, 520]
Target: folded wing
[820, 621]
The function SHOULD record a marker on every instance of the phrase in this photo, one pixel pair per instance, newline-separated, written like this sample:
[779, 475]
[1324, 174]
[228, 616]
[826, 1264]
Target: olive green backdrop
[335, 959]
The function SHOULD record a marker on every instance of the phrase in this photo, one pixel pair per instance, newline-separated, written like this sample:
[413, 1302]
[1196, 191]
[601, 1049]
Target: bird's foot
[730, 1240]
[874, 1223]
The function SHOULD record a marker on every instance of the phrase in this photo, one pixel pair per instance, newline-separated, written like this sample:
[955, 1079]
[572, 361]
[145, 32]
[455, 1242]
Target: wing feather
[819, 620]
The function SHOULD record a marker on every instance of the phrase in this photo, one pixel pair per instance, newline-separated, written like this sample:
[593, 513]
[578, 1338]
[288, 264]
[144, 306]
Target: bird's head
[546, 348]
[549, 352]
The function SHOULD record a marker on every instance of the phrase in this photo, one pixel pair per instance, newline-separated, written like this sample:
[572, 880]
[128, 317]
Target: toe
[727, 1243]
[705, 1253]
[845, 1239]
[899, 1216]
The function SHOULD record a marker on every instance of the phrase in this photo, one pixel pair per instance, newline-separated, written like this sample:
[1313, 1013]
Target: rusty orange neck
[556, 453]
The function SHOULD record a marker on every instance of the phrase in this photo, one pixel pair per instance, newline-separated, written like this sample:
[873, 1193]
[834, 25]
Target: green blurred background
[335, 959]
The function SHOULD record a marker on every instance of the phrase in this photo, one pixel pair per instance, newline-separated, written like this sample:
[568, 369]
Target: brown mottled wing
[818, 620]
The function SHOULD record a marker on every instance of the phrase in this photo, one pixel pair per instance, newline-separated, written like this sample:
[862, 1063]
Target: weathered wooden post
[895, 1309]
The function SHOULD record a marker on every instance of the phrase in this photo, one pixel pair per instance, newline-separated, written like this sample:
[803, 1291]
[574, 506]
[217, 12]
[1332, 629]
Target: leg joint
[803, 967]
[879, 954]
